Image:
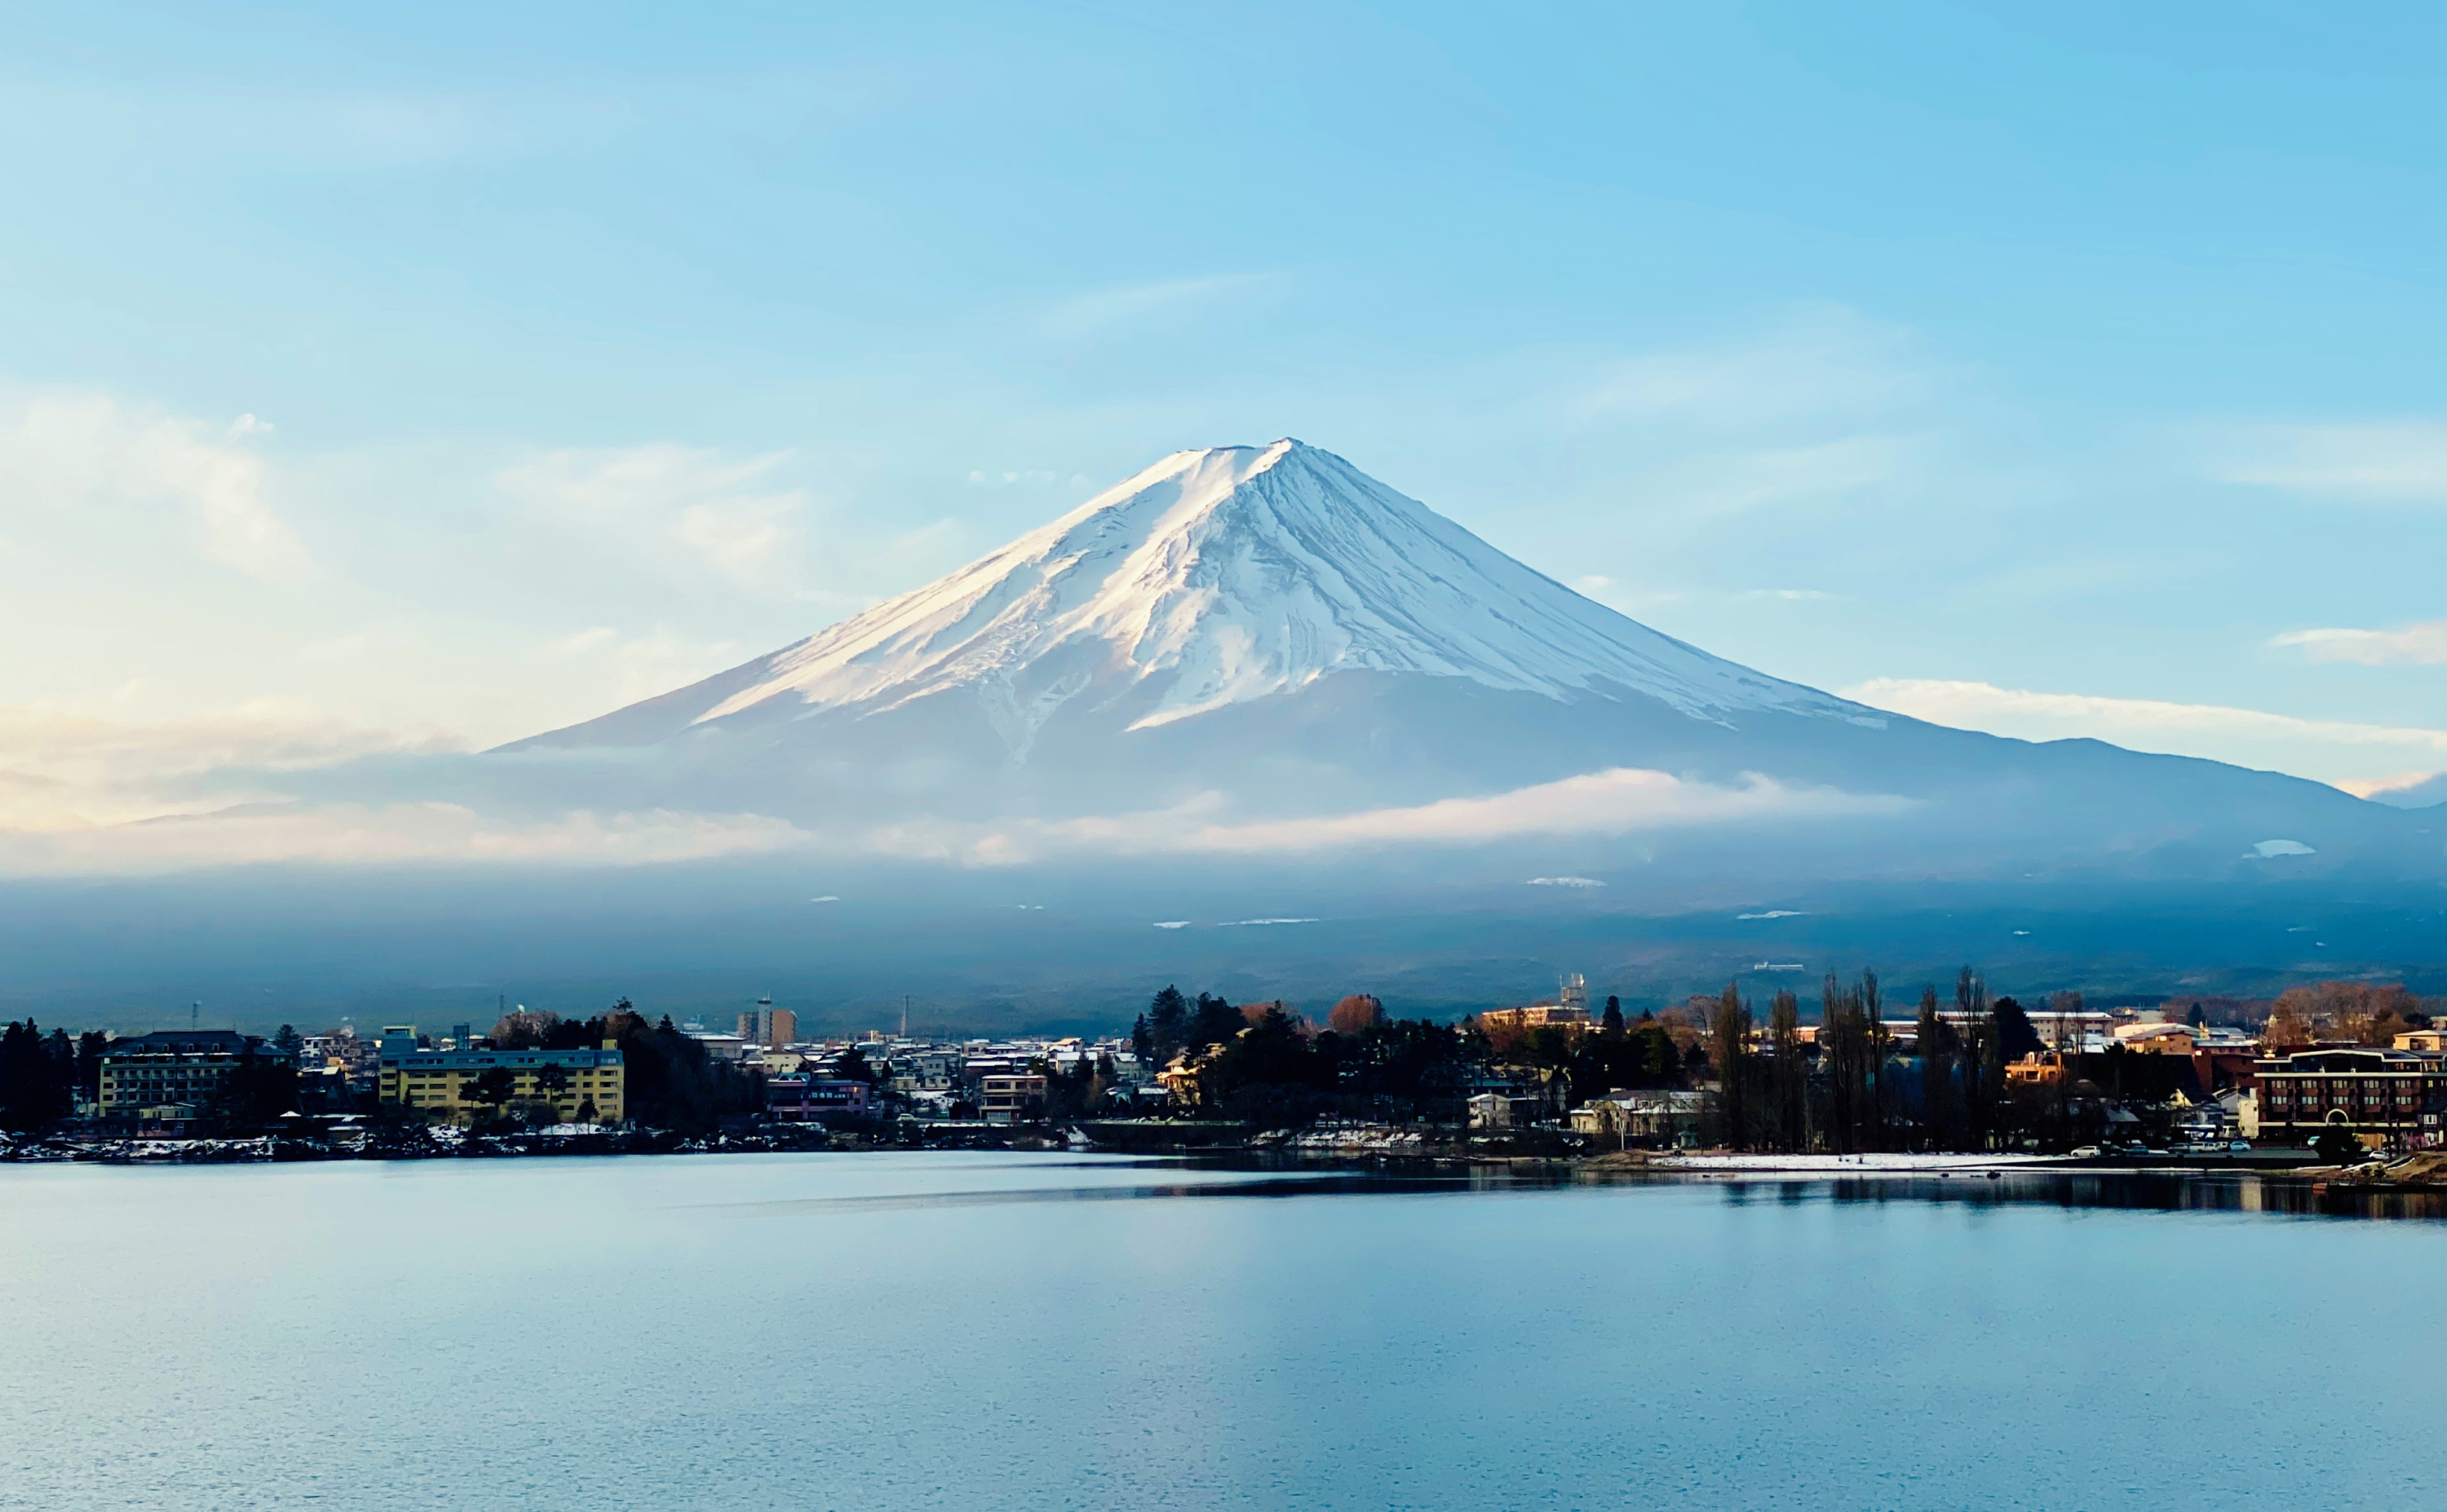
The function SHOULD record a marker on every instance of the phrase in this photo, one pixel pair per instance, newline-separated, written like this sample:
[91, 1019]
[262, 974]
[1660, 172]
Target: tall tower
[767, 1026]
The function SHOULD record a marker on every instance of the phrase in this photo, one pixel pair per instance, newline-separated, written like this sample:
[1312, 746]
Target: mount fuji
[1250, 687]
[1257, 650]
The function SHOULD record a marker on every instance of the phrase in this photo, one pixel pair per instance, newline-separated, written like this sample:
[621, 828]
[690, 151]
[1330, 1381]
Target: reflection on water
[2135, 1191]
[2161, 1191]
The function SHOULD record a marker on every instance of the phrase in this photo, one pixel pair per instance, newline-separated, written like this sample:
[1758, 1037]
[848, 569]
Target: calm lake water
[965, 1331]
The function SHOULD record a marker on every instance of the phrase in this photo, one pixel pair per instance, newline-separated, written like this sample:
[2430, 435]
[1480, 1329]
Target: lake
[961, 1330]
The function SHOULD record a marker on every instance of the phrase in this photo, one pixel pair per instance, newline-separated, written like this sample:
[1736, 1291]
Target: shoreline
[2416, 1173]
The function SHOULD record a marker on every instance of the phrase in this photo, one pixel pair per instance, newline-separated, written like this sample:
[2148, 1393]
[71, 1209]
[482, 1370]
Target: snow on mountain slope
[1219, 576]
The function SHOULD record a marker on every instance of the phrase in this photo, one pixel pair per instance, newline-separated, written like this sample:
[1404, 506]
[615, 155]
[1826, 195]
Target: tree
[1270, 1073]
[1612, 1022]
[1355, 1014]
[287, 1040]
[1729, 1048]
[1214, 1021]
[490, 1089]
[1791, 1073]
[524, 1029]
[88, 1066]
[2337, 1148]
[1168, 1021]
[2365, 1012]
[2016, 1037]
[670, 1081]
[1983, 1064]
[1936, 1071]
[551, 1085]
[29, 1095]
[1879, 1087]
[260, 1090]
[2286, 1029]
[60, 1064]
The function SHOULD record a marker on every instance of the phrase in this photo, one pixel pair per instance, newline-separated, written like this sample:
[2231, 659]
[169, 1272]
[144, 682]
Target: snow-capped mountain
[1248, 637]
[1222, 577]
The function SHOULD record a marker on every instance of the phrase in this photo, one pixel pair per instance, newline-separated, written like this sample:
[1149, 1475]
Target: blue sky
[379, 376]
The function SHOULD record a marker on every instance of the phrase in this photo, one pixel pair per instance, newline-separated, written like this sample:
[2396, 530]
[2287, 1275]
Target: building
[2434, 1040]
[2155, 1039]
[587, 1086]
[732, 1047]
[2376, 1095]
[1012, 1098]
[1537, 1015]
[186, 1068]
[769, 1027]
[2039, 1069]
[1670, 1115]
[796, 1097]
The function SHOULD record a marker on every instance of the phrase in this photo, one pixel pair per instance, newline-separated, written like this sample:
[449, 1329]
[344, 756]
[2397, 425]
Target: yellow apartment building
[586, 1086]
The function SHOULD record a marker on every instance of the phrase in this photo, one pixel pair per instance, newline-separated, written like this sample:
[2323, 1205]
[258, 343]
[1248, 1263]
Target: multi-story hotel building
[175, 1069]
[572, 1083]
[2378, 1095]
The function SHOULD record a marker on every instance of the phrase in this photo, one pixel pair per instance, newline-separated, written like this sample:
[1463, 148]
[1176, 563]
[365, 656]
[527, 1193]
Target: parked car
[2238, 1147]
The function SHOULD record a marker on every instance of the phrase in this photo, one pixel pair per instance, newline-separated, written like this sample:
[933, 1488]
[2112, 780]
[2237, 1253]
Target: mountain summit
[1214, 578]
[1262, 647]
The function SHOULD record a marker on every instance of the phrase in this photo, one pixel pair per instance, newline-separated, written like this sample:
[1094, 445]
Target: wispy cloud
[2422, 644]
[63, 449]
[653, 498]
[2403, 461]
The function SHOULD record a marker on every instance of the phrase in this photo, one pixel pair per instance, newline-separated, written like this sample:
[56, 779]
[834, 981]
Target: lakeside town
[2330, 1075]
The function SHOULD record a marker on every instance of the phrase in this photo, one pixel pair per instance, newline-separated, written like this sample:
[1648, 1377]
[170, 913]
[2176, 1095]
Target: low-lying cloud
[1618, 801]
[63, 769]
[396, 834]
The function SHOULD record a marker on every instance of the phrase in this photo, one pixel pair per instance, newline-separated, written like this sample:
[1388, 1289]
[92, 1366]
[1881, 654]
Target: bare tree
[1355, 1014]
